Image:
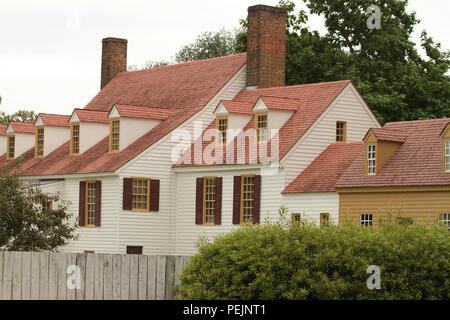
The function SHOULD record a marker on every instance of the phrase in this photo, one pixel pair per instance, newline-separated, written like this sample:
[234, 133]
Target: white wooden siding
[187, 233]
[311, 205]
[348, 107]
[155, 230]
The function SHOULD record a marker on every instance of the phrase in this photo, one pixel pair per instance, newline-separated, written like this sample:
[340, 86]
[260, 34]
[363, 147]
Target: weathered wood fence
[79, 276]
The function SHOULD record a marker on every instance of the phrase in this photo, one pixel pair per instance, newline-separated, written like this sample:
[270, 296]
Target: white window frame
[445, 219]
[371, 159]
[366, 219]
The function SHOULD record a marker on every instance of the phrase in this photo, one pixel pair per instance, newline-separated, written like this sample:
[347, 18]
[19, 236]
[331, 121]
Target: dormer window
[222, 127]
[371, 159]
[114, 136]
[341, 132]
[11, 147]
[261, 127]
[75, 139]
[39, 147]
[447, 155]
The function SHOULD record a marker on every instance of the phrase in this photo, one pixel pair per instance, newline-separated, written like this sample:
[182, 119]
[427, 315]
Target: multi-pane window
[371, 159]
[39, 151]
[209, 200]
[11, 147]
[296, 217]
[75, 139]
[91, 200]
[222, 126]
[261, 127]
[114, 137]
[341, 129]
[47, 206]
[366, 219]
[247, 197]
[447, 156]
[324, 218]
[140, 194]
[444, 218]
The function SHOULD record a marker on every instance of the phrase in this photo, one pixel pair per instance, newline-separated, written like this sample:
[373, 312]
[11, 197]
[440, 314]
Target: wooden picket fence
[79, 276]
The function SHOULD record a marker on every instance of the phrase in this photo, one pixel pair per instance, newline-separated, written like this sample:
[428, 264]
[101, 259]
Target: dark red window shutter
[127, 193]
[218, 202]
[237, 200]
[256, 199]
[154, 195]
[199, 202]
[82, 204]
[98, 202]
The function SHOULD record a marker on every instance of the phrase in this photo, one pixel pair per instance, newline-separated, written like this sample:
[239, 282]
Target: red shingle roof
[238, 107]
[143, 112]
[3, 130]
[55, 120]
[311, 101]
[388, 135]
[417, 162]
[86, 115]
[321, 175]
[22, 127]
[184, 88]
[280, 103]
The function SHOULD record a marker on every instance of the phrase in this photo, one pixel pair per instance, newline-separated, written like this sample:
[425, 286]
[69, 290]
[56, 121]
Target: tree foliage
[209, 45]
[21, 115]
[304, 261]
[25, 223]
[384, 64]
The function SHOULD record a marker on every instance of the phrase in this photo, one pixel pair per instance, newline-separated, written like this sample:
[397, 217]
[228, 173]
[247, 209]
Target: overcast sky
[50, 50]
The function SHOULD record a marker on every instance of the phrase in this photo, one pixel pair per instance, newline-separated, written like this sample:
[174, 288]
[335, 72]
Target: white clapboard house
[160, 156]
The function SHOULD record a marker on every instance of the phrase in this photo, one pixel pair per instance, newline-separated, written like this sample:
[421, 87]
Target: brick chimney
[114, 58]
[266, 46]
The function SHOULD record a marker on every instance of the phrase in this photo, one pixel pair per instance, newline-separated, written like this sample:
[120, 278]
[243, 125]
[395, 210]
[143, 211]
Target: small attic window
[261, 127]
[39, 148]
[341, 132]
[74, 138]
[371, 159]
[114, 135]
[222, 127]
[447, 155]
[11, 147]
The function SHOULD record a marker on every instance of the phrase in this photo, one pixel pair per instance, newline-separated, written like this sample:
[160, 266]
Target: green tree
[27, 223]
[149, 65]
[210, 45]
[21, 115]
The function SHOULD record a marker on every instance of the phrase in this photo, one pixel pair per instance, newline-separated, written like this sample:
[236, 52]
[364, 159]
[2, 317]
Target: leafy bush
[303, 261]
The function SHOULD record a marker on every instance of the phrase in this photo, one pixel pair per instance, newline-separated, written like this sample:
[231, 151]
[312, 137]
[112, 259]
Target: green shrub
[303, 261]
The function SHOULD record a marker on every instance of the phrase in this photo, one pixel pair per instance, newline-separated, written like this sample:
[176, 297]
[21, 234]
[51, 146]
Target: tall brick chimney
[114, 58]
[266, 46]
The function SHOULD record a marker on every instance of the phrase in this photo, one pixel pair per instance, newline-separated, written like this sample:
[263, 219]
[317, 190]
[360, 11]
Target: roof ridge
[176, 65]
[415, 121]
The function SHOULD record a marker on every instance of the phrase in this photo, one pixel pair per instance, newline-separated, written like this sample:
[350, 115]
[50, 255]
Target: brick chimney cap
[110, 39]
[263, 7]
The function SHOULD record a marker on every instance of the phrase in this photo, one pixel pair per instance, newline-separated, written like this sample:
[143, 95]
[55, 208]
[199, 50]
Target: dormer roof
[53, 120]
[138, 112]
[20, 127]
[387, 135]
[85, 115]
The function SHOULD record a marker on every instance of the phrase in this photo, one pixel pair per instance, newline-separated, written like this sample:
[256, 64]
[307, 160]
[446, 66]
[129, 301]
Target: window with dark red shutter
[82, 204]
[98, 202]
[199, 201]
[154, 195]
[218, 203]
[256, 199]
[127, 193]
[237, 200]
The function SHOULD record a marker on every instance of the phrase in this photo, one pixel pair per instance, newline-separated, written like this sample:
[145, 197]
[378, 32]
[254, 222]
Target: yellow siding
[423, 206]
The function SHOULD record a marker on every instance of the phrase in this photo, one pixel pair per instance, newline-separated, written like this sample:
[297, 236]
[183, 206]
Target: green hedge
[303, 261]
